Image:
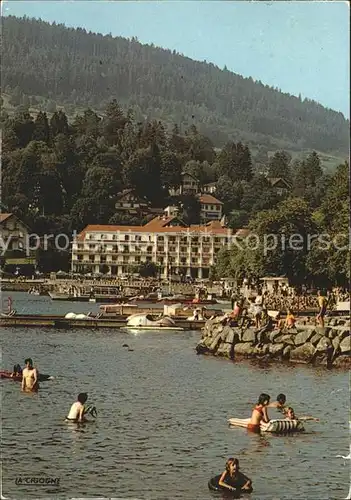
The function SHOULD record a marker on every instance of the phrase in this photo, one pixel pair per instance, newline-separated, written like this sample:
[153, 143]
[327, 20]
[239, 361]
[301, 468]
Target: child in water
[232, 479]
[280, 403]
[76, 413]
[259, 413]
[290, 415]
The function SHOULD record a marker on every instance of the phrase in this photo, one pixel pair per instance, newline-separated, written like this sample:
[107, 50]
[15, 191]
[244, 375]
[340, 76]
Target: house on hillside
[209, 188]
[129, 203]
[280, 185]
[189, 185]
[211, 208]
[15, 245]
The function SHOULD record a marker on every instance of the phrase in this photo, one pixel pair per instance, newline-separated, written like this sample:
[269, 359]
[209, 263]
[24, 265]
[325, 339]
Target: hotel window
[126, 237]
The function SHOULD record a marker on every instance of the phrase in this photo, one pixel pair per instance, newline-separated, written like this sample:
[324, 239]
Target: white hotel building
[164, 241]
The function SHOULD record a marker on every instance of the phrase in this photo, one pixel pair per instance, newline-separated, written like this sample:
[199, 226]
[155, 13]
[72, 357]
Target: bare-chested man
[30, 377]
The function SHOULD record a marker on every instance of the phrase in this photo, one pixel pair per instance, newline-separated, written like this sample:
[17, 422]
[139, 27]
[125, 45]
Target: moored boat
[147, 321]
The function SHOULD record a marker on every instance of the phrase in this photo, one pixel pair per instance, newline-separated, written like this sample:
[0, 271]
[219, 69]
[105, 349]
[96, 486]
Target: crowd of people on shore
[265, 309]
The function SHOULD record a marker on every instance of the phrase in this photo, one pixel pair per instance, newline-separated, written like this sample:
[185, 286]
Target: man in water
[30, 377]
[280, 403]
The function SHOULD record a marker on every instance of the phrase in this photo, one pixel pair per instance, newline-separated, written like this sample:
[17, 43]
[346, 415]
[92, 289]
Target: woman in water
[232, 479]
[259, 414]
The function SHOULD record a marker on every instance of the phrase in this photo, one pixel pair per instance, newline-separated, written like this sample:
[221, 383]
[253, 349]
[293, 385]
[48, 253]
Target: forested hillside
[46, 65]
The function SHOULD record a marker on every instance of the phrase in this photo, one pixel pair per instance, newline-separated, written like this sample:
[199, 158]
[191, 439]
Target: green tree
[190, 207]
[171, 169]
[148, 270]
[41, 130]
[279, 165]
[143, 173]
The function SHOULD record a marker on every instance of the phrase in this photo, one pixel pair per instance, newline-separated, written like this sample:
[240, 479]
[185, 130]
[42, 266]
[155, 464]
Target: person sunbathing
[290, 320]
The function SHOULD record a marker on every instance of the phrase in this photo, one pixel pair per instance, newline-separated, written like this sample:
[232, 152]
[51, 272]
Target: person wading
[30, 377]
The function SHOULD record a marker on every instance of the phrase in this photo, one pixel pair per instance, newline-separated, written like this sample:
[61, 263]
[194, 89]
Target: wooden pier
[43, 321]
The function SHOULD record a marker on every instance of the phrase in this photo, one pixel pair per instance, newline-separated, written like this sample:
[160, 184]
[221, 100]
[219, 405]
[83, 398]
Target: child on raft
[290, 415]
[259, 414]
[232, 479]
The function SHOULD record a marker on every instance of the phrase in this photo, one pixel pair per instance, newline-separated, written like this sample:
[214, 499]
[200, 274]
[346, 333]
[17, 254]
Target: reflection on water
[161, 430]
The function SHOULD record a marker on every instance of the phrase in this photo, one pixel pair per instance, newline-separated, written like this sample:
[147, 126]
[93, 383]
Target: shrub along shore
[305, 343]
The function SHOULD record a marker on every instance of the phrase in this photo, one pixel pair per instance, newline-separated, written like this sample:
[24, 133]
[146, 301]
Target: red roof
[4, 217]
[209, 199]
[157, 225]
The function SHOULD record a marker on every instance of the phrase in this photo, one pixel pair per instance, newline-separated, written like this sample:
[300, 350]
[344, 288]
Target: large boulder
[286, 352]
[287, 339]
[336, 343]
[225, 332]
[276, 349]
[244, 349]
[315, 339]
[261, 350]
[201, 349]
[345, 332]
[225, 349]
[304, 336]
[345, 345]
[275, 334]
[303, 354]
[331, 333]
[249, 335]
[333, 322]
[324, 344]
[215, 341]
[343, 361]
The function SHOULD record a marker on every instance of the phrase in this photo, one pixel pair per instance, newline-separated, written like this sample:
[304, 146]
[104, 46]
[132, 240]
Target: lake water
[161, 431]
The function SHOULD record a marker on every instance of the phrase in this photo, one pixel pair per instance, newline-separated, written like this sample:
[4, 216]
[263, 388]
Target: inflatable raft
[276, 426]
[213, 485]
[18, 378]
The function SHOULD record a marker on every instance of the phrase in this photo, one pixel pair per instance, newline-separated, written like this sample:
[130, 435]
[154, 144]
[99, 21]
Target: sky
[299, 47]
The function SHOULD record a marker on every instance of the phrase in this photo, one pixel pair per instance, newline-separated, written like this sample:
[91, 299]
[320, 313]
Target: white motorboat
[147, 322]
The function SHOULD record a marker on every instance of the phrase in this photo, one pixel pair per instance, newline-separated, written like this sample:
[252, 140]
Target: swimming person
[280, 403]
[77, 411]
[30, 377]
[17, 371]
[232, 479]
[259, 414]
[290, 415]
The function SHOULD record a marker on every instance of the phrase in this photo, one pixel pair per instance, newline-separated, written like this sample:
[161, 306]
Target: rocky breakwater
[329, 346]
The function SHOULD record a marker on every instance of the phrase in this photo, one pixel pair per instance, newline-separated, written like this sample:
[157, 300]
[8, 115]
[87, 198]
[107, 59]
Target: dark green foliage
[72, 67]
[148, 270]
[189, 211]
